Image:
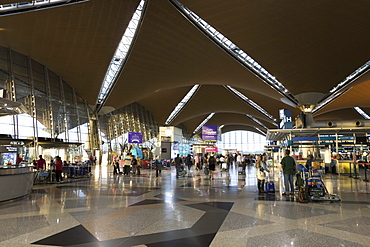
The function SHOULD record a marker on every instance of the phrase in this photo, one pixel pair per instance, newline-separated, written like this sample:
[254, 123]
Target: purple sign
[135, 137]
[209, 133]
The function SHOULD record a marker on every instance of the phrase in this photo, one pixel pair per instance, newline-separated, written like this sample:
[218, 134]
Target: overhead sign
[286, 119]
[209, 133]
[134, 137]
[211, 149]
[302, 139]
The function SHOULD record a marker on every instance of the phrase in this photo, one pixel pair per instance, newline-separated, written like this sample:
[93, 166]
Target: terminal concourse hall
[77, 76]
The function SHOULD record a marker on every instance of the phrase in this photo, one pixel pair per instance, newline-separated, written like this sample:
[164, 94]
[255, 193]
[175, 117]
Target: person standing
[138, 166]
[115, 165]
[309, 162]
[197, 162]
[211, 165]
[127, 164]
[41, 164]
[58, 169]
[158, 166]
[261, 170]
[178, 162]
[189, 162]
[289, 167]
[34, 163]
[134, 165]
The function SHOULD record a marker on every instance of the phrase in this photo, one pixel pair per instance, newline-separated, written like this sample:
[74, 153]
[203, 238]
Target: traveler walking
[289, 168]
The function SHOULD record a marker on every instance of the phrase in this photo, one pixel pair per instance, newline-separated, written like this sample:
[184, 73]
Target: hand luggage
[303, 196]
[270, 187]
[240, 170]
[224, 166]
[206, 170]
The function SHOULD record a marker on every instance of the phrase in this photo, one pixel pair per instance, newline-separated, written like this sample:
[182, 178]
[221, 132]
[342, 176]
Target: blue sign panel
[135, 137]
[286, 119]
[209, 133]
[327, 138]
[302, 139]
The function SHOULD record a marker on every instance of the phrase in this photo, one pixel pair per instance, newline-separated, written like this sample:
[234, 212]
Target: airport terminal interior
[89, 86]
[116, 210]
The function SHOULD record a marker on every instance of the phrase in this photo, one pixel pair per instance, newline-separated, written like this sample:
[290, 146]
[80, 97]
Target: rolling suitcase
[224, 166]
[270, 187]
[206, 170]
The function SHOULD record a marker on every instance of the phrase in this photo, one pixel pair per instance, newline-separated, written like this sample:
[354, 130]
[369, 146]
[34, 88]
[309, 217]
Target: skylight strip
[340, 88]
[182, 104]
[256, 121]
[237, 53]
[16, 8]
[262, 132]
[120, 56]
[361, 112]
[349, 79]
[329, 100]
[204, 122]
[250, 102]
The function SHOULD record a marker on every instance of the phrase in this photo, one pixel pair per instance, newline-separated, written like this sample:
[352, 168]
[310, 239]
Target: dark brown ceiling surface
[77, 41]
[193, 123]
[235, 119]
[170, 52]
[162, 103]
[340, 115]
[358, 95]
[218, 119]
[228, 128]
[213, 98]
[2, 2]
[270, 105]
[309, 46]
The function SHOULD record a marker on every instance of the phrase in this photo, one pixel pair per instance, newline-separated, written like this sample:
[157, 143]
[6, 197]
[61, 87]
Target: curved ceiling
[308, 46]
[355, 96]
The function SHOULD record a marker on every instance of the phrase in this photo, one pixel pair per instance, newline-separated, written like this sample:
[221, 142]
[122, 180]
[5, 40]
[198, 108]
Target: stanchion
[355, 171]
[366, 180]
[350, 171]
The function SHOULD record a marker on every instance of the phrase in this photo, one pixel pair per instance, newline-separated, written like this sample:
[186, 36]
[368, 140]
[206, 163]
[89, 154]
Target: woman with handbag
[261, 170]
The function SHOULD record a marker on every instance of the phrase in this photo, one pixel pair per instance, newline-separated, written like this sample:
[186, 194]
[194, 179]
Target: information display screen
[8, 158]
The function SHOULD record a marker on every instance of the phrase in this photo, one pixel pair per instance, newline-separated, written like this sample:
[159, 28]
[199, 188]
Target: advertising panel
[209, 133]
[134, 137]
[286, 119]
[211, 149]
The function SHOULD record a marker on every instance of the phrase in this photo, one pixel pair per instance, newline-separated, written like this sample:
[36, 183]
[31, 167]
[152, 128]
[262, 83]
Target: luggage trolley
[317, 190]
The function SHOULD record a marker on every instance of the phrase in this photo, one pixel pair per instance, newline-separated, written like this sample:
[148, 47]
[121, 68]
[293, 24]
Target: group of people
[57, 165]
[288, 166]
[126, 163]
[40, 164]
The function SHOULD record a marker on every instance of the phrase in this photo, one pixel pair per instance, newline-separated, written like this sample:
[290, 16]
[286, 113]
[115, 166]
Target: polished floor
[116, 210]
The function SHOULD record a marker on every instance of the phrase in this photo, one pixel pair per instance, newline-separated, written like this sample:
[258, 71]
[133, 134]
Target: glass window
[243, 141]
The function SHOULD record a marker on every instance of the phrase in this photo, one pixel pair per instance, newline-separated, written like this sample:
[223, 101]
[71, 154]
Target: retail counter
[344, 166]
[15, 181]
[316, 164]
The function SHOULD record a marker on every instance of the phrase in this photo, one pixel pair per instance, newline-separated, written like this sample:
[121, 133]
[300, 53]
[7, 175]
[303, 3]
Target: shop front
[16, 173]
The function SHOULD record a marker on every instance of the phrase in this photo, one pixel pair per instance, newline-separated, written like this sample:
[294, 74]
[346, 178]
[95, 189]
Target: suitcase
[240, 170]
[270, 187]
[206, 170]
[303, 196]
[224, 166]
